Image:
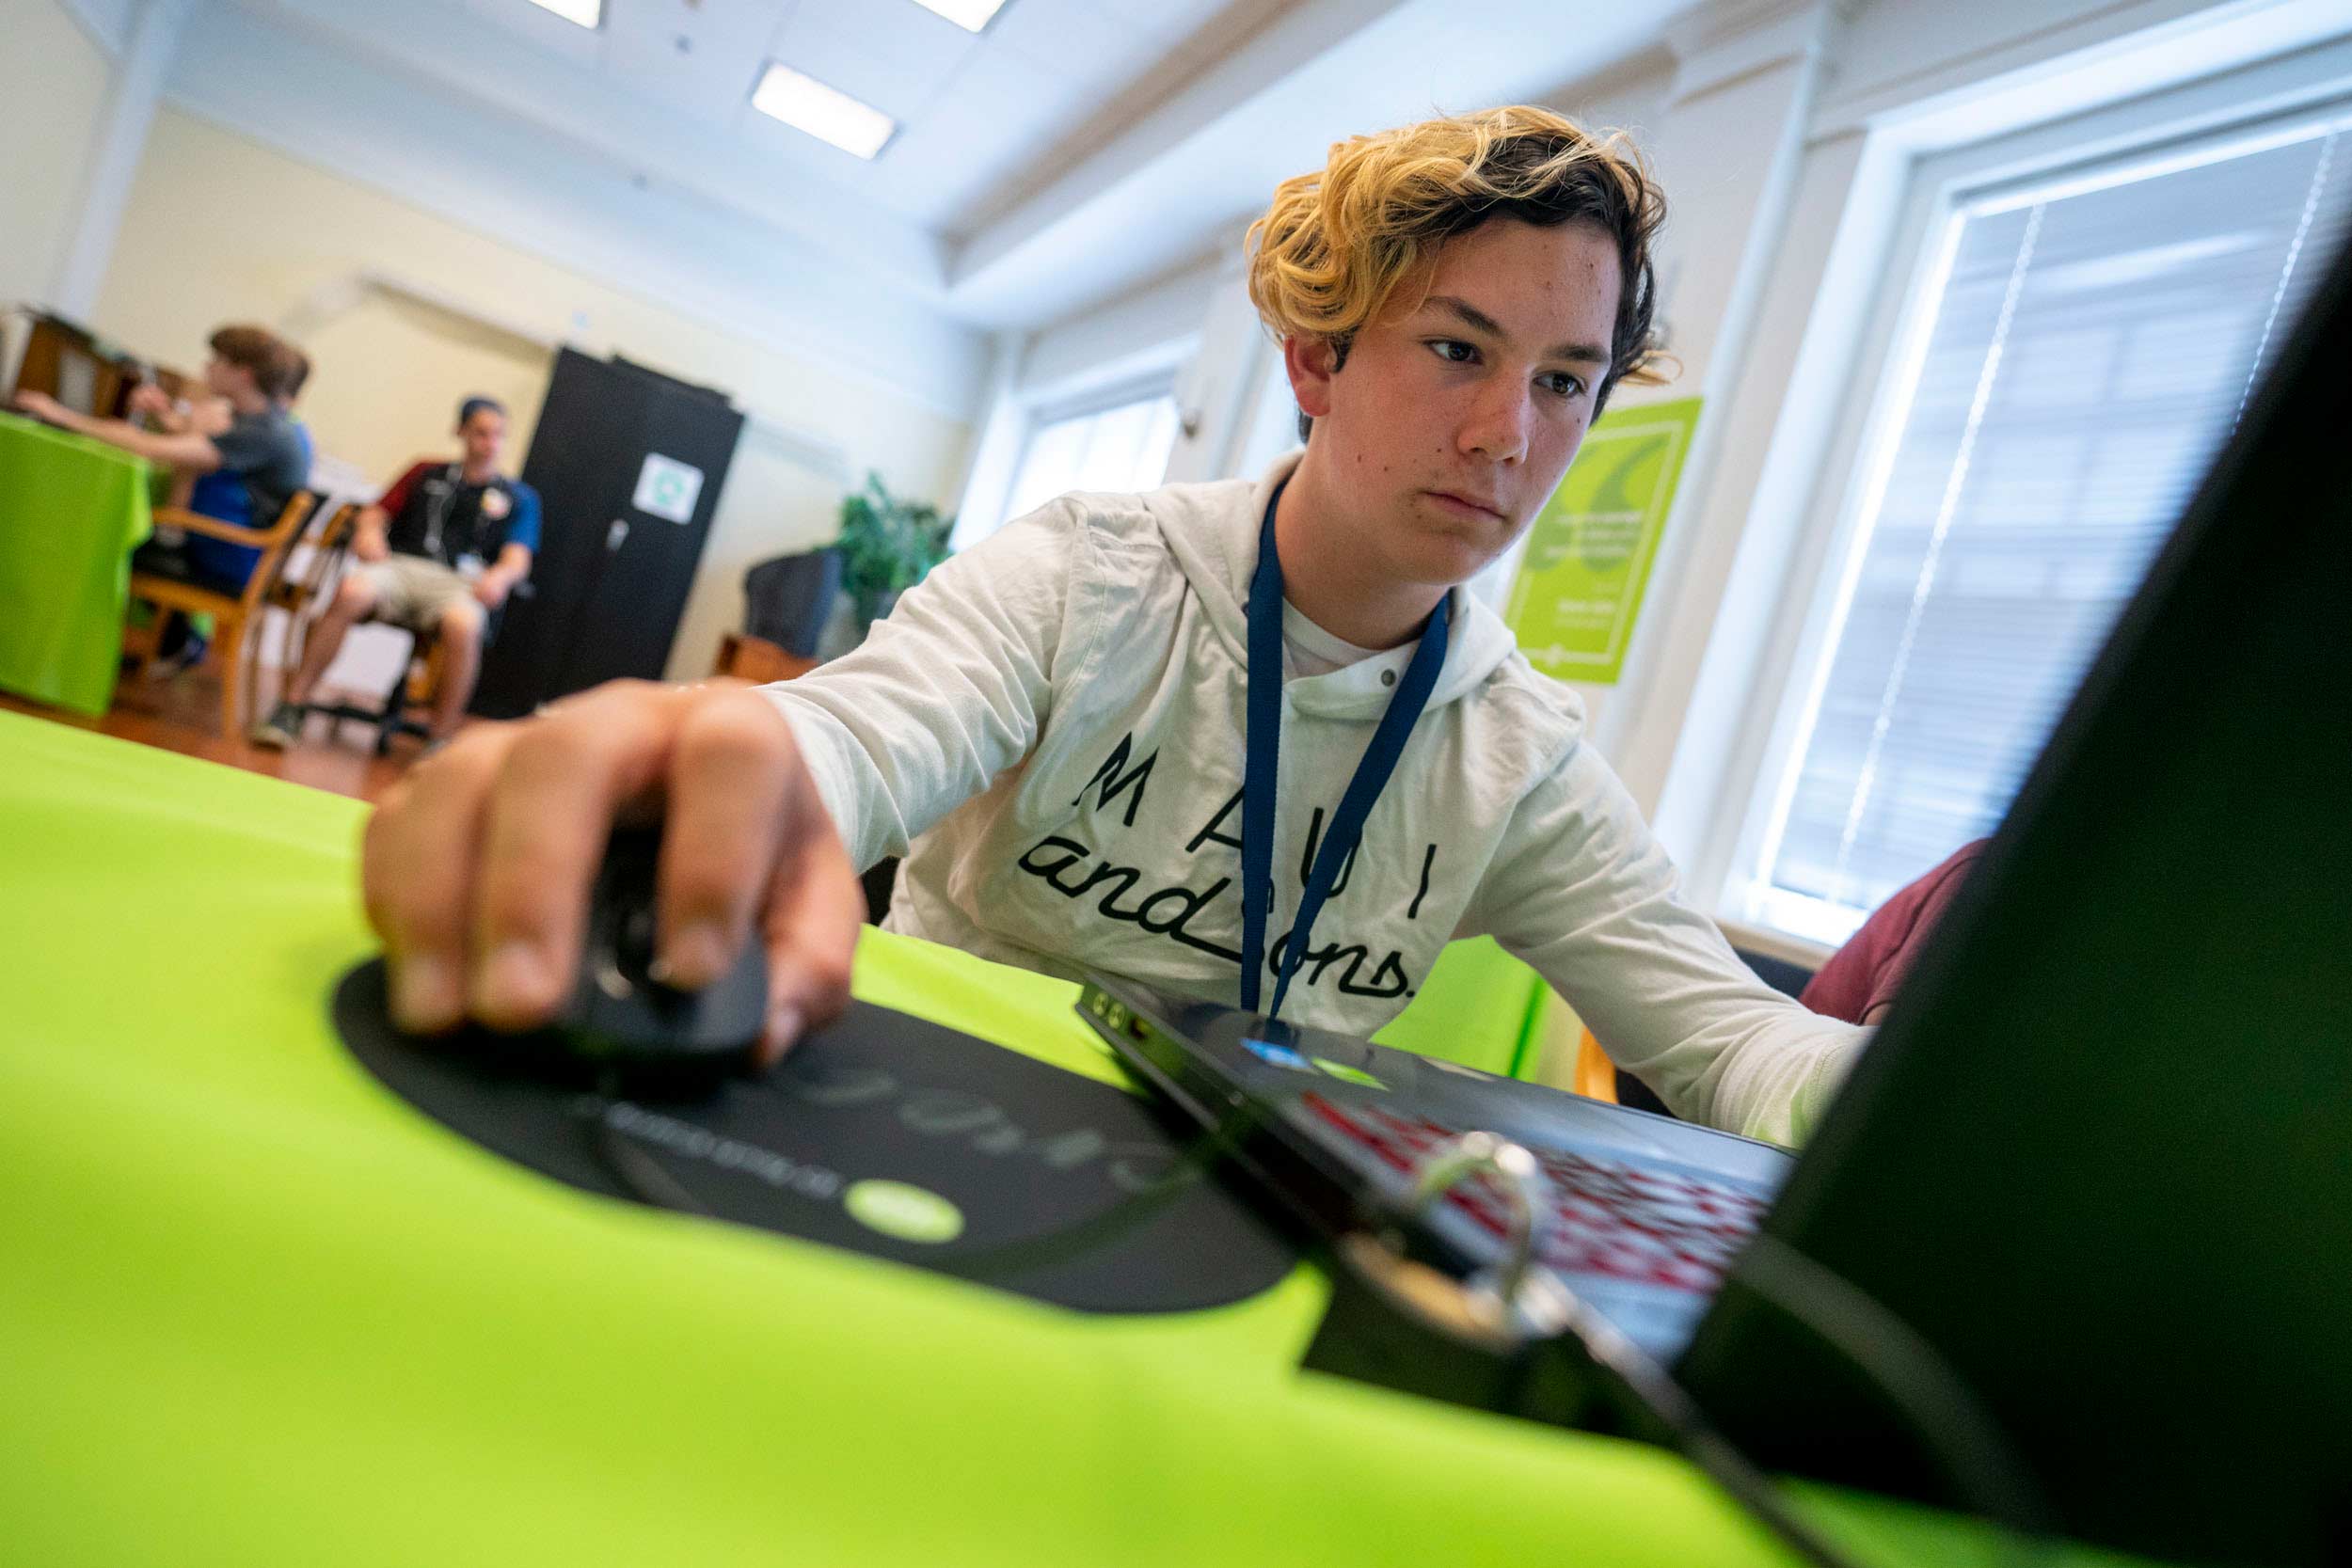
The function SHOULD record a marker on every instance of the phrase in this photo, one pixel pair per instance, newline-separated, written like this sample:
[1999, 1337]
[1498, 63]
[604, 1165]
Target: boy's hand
[477, 866]
[369, 545]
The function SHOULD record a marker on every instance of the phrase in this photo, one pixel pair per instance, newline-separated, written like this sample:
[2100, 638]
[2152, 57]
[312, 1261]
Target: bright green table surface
[70, 511]
[254, 1310]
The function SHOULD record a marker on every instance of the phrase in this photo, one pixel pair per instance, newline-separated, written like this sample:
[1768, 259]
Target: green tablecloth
[70, 511]
[255, 1310]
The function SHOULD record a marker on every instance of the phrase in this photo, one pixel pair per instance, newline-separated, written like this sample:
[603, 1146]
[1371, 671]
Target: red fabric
[1860, 979]
[393, 500]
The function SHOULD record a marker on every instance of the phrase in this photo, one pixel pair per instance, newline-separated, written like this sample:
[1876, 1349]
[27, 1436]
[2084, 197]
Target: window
[1119, 445]
[2081, 345]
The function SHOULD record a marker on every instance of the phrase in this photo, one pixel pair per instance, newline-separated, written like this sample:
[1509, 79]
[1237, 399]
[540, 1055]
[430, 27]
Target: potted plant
[886, 545]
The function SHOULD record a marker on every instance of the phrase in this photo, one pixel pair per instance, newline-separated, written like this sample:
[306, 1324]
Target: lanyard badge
[1262, 759]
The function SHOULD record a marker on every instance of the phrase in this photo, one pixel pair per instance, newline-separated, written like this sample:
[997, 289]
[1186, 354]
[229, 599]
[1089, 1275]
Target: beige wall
[52, 88]
[220, 229]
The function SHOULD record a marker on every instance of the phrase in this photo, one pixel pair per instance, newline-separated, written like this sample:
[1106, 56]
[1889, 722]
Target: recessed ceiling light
[970, 15]
[588, 13]
[826, 113]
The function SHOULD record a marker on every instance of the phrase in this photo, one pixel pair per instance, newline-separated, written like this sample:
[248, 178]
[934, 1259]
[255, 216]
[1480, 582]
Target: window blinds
[2095, 341]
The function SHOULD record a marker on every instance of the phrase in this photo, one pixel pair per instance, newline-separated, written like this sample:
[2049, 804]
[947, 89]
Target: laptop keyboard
[1646, 1224]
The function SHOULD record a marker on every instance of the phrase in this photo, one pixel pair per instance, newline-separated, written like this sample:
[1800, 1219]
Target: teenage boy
[214, 414]
[246, 471]
[241, 465]
[437, 553]
[1071, 731]
[294, 374]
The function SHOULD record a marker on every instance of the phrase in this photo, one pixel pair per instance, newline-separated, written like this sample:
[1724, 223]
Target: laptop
[1642, 1213]
[2081, 1220]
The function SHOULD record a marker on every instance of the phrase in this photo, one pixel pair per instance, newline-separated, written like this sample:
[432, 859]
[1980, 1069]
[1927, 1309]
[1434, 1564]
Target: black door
[653, 541]
[628, 465]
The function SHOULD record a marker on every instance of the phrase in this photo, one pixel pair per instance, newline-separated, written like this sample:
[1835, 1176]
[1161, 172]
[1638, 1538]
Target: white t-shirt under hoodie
[1050, 728]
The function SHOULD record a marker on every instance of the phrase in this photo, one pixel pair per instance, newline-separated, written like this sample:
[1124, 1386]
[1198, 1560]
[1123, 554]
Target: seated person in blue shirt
[297, 371]
[243, 469]
[437, 553]
[211, 416]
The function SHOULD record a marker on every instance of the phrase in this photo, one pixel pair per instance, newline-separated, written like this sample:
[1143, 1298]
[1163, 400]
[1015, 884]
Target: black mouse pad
[882, 1135]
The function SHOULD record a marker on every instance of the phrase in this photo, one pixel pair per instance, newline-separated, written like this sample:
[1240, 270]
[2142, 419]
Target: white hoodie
[1050, 728]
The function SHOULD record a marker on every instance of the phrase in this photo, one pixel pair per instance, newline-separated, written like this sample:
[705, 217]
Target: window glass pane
[2092, 345]
[1120, 448]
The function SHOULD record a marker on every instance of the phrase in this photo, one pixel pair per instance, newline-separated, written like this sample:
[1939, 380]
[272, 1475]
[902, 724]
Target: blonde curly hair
[1331, 252]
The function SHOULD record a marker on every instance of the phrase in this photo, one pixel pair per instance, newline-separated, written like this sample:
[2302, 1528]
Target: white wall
[54, 78]
[1155, 324]
[106, 21]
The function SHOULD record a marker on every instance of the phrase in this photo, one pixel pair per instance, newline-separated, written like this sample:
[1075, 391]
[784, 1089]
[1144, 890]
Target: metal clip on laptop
[1509, 1311]
[1499, 1309]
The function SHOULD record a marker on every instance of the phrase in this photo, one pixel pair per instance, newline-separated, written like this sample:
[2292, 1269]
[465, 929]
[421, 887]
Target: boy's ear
[1310, 362]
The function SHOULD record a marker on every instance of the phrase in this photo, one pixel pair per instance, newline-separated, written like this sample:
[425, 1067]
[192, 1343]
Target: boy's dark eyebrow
[1478, 321]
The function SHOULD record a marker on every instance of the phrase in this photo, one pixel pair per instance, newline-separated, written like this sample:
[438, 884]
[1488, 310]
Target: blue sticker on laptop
[1277, 1055]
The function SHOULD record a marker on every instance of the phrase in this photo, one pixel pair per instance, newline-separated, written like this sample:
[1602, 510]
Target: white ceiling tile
[894, 61]
[1002, 113]
[698, 59]
[1011, 85]
[1161, 18]
[1093, 51]
[932, 168]
[566, 40]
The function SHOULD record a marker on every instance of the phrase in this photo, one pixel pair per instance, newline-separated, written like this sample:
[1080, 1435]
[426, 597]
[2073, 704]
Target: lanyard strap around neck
[1262, 758]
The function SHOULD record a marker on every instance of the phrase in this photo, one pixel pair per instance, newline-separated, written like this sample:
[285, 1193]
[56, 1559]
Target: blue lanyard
[1264, 758]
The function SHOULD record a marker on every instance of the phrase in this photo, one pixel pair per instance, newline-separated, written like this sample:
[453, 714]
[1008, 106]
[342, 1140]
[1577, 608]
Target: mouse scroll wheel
[636, 938]
[630, 954]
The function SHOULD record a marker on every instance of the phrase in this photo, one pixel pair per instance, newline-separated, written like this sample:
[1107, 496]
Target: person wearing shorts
[436, 554]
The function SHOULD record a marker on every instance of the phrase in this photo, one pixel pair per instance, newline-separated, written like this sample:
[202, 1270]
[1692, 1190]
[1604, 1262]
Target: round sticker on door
[902, 1212]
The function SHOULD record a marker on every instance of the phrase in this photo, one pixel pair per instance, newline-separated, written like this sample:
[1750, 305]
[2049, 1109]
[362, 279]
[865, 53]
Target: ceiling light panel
[826, 113]
[588, 13]
[970, 15]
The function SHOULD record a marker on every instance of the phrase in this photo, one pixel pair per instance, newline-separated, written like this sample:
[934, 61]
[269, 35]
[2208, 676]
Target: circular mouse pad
[882, 1135]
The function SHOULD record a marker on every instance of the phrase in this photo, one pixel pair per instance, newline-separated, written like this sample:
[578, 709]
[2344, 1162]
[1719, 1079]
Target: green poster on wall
[1588, 555]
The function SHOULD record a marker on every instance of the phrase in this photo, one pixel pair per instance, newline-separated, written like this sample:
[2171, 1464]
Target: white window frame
[2241, 109]
[1069, 397]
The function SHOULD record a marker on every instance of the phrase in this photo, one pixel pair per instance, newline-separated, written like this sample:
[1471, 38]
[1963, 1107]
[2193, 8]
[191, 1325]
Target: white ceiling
[1073, 148]
[974, 111]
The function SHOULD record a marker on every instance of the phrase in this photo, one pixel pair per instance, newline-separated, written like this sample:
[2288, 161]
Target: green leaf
[887, 545]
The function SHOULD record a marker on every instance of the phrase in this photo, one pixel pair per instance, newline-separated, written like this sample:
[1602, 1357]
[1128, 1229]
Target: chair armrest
[757, 661]
[196, 522]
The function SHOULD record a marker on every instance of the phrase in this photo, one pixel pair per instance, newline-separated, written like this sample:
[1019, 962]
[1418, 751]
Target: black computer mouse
[622, 1020]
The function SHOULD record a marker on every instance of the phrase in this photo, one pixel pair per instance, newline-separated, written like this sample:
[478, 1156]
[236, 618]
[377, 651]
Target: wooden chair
[236, 609]
[303, 587]
[757, 661]
[1598, 1078]
[1595, 1074]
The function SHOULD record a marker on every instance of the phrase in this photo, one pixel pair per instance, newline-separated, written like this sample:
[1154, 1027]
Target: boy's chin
[1445, 561]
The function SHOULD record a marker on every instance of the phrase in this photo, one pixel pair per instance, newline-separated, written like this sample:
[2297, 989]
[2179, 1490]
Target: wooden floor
[182, 714]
